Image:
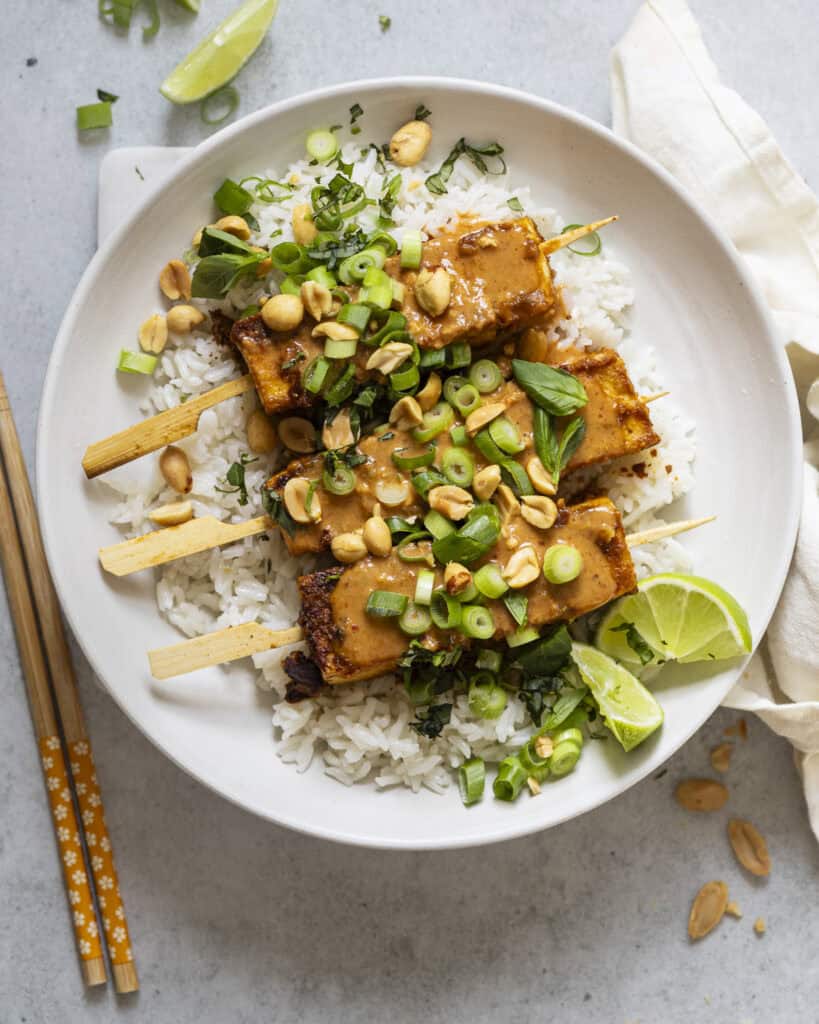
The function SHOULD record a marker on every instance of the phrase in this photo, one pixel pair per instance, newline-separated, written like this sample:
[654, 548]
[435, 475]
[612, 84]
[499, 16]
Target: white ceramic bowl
[695, 303]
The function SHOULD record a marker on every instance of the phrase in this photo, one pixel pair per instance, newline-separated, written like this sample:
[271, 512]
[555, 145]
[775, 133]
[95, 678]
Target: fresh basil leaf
[565, 704]
[546, 655]
[534, 691]
[214, 276]
[215, 241]
[422, 112]
[553, 389]
[106, 97]
[274, 506]
[517, 605]
[570, 441]
[356, 110]
[546, 444]
[429, 723]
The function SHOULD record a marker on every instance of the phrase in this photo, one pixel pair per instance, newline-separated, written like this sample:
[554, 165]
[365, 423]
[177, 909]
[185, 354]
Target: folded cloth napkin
[668, 99]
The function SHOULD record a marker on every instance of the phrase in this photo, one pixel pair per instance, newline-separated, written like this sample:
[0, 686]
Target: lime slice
[685, 618]
[627, 707]
[190, 5]
[219, 57]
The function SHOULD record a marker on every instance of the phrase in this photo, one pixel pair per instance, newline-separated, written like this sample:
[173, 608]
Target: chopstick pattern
[67, 831]
[112, 909]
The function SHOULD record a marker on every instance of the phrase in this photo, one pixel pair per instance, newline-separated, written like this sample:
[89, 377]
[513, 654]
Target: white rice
[362, 732]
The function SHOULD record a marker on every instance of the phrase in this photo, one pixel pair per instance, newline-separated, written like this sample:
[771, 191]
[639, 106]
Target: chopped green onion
[413, 548]
[394, 323]
[458, 466]
[354, 314]
[411, 248]
[341, 389]
[383, 241]
[94, 115]
[383, 604]
[433, 358]
[506, 435]
[592, 239]
[562, 563]
[414, 620]
[485, 376]
[473, 540]
[466, 399]
[490, 582]
[477, 622]
[452, 385]
[516, 477]
[487, 447]
[568, 744]
[290, 258]
[321, 275]
[398, 525]
[436, 421]
[458, 435]
[227, 96]
[406, 463]
[343, 349]
[510, 779]
[533, 763]
[419, 690]
[489, 660]
[470, 595]
[426, 479]
[315, 375]
[486, 698]
[424, 585]
[438, 525]
[458, 354]
[522, 635]
[231, 198]
[353, 269]
[446, 611]
[249, 311]
[405, 380]
[290, 286]
[136, 362]
[471, 780]
[398, 293]
[321, 145]
[340, 481]
[378, 295]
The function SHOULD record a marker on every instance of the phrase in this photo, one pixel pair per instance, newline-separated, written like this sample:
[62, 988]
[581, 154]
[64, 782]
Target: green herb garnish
[517, 606]
[553, 389]
[236, 478]
[515, 204]
[384, 21]
[436, 183]
[635, 641]
[210, 107]
[214, 276]
[430, 723]
[422, 112]
[106, 97]
[274, 506]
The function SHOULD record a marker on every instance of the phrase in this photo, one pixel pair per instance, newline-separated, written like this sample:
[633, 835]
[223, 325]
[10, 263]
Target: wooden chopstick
[68, 709]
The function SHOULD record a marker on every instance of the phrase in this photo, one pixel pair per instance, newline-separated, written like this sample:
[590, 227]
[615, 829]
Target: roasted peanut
[429, 393]
[295, 501]
[533, 346]
[486, 481]
[348, 547]
[377, 537]
[433, 290]
[478, 419]
[335, 331]
[409, 144]
[456, 578]
[749, 846]
[538, 510]
[153, 334]
[283, 312]
[175, 281]
[304, 230]
[172, 515]
[701, 794]
[339, 433]
[234, 225]
[297, 434]
[522, 568]
[506, 501]
[451, 501]
[261, 434]
[406, 413]
[317, 299]
[541, 478]
[707, 909]
[183, 319]
[175, 468]
[389, 357]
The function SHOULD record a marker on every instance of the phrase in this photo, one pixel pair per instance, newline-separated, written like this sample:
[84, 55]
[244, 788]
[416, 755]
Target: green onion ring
[406, 463]
[490, 582]
[592, 237]
[510, 779]
[383, 604]
[411, 539]
[485, 375]
[424, 585]
[227, 94]
[458, 466]
[562, 563]
[466, 399]
[340, 481]
[506, 435]
[471, 780]
[414, 620]
[477, 622]
[445, 610]
[436, 421]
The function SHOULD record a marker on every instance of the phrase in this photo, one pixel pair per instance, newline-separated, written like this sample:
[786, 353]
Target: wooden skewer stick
[560, 241]
[218, 647]
[173, 542]
[250, 638]
[647, 399]
[157, 431]
[666, 530]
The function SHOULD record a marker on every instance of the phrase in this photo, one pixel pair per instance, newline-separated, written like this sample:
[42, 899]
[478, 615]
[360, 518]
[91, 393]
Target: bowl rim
[792, 505]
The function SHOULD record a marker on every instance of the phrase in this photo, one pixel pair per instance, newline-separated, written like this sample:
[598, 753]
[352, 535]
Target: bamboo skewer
[648, 399]
[561, 241]
[235, 642]
[157, 431]
[64, 684]
[173, 542]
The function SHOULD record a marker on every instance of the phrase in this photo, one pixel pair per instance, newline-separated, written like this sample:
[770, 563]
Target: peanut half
[701, 794]
[708, 909]
[749, 847]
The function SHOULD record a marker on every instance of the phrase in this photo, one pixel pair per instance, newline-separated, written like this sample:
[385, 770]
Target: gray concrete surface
[234, 920]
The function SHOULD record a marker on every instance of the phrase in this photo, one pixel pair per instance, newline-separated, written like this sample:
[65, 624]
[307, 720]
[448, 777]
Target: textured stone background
[234, 920]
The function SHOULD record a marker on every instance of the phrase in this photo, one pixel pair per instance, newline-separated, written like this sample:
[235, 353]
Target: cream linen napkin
[667, 98]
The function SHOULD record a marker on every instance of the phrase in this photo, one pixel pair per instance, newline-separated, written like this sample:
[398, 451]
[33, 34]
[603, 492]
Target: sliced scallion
[489, 660]
[433, 358]
[458, 466]
[485, 376]
[407, 461]
[218, 107]
[506, 435]
[452, 385]
[445, 610]
[414, 620]
[471, 780]
[590, 245]
[458, 435]
[458, 354]
[355, 315]
[522, 635]
[315, 375]
[477, 622]
[405, 380]
[340, 349]
[486, 698]
[425, 479]
[438, 525]
[414, 547]
[411, 249]
[424, 585]
[490, 582]
[136, 362]
[340, 481]
[466, 399]
[383, 604]
[94, 115]
[510, 779]
[487, 447]
[290, 286]
[398, 293]
[568, 744]
[562, 563]
[436, 421]
[321, 275]
[321, 145]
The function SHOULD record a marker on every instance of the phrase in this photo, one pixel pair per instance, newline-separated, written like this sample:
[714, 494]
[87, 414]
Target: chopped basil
[515, 204]
[635, 641]
[436, 183]
[274, 506]
[236, 478]
[214, 276]
[356, 110]
[569, 699]
[422, 112]
[430, 723]
[106, 97]
[517, 606]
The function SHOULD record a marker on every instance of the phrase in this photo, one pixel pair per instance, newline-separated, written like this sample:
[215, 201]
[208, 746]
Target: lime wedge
[627, 707]
[219, 57]
[685, 618]
[190, 5]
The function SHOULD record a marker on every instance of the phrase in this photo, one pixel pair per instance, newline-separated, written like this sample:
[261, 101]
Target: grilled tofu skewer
[318, 588]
